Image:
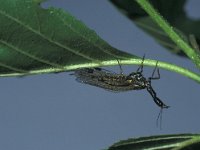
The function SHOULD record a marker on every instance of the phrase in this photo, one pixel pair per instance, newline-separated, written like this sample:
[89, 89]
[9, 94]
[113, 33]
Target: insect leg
[120, 67]
[140, 69]
[158, 73]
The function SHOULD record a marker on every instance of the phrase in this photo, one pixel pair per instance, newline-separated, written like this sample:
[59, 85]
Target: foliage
[34, 40]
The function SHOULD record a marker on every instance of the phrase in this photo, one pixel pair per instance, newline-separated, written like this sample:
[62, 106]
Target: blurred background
[53, 111]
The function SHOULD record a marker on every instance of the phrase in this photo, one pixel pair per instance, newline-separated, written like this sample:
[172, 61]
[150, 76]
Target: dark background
[54, 112]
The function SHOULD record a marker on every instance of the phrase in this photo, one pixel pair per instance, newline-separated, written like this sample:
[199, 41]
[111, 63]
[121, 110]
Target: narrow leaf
[37, 40]
[162, 142]
[172, 11]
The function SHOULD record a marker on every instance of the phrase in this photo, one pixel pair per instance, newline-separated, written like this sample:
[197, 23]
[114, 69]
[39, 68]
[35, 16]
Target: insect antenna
[157, 120]
[154, 96]
[159, 103]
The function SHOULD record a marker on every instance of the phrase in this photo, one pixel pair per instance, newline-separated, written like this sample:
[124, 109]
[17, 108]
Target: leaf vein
[43, 36]
[30, 55]
[12, 68]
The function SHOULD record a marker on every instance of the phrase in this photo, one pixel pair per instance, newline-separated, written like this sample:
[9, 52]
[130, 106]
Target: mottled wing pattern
[105, 79]
[93, 76]
[89, 75]
[118, 82]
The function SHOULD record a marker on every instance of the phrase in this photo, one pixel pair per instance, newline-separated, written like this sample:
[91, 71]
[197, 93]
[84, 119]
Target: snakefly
[119, 82]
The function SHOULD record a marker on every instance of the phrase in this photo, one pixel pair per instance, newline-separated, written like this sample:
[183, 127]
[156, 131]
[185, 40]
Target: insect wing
[89, 75]
[93, 76]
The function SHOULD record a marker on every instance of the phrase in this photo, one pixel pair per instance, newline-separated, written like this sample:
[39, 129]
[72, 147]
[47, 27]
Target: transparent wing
[92, 76]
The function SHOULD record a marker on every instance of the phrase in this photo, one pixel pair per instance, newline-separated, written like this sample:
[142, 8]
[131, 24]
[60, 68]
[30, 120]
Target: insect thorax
[138, 80]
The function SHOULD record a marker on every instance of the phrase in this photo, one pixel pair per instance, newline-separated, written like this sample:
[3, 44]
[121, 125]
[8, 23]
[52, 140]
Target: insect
[120, 82]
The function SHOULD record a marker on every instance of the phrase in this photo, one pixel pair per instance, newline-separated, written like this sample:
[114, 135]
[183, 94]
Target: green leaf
[34, 40]
[172, 11]
[162, 142]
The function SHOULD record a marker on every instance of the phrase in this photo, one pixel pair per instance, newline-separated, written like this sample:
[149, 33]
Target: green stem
[147, 62]
[170, 31]
[164, 65]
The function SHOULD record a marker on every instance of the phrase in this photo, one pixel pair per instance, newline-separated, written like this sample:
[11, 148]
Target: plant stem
[133, 61]
[170, 31]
